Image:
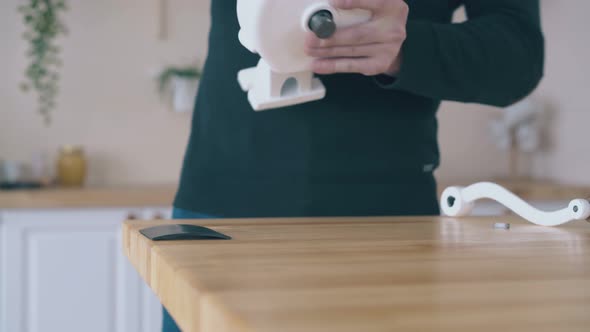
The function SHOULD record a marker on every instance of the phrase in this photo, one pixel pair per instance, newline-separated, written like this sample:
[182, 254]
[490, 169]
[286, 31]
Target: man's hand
[370, 48]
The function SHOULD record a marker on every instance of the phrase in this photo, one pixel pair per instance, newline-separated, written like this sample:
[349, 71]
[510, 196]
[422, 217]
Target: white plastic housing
[276, 30]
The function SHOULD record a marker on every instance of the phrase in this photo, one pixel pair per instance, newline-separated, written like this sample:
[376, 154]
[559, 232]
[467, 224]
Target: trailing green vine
[42, 19]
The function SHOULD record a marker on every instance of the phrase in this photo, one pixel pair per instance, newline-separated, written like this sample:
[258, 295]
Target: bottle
[71, 166]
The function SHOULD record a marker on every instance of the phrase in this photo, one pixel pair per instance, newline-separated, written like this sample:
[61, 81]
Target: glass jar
[71, 166]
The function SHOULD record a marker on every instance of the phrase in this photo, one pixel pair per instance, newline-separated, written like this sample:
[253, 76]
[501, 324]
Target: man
[370, 147]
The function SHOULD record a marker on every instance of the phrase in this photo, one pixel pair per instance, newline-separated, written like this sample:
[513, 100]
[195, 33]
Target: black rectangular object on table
[177, 232]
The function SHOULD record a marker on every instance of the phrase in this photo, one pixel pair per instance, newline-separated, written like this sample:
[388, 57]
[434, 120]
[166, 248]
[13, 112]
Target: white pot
[184, 92]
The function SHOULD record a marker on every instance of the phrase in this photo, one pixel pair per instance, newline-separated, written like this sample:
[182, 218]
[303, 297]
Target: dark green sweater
[370, 147]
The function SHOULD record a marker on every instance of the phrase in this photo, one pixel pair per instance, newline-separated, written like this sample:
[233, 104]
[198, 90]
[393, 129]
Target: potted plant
[182, 83]
[44, 25]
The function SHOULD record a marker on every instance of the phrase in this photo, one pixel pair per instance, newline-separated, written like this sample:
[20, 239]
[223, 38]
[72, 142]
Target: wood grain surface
[87, 197]
[371, 274]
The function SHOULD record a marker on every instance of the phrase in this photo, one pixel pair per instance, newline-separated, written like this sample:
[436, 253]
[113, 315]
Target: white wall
[466, 150]
[109, 102]
[567, 85]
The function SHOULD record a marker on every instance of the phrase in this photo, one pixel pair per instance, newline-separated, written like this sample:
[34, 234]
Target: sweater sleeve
[496, 57]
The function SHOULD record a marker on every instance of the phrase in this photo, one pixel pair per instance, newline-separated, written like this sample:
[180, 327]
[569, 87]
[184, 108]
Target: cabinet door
[64, 270]
[3, 256]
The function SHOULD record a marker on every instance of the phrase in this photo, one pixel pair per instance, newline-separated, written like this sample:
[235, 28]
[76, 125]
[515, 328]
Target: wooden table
[372, 274]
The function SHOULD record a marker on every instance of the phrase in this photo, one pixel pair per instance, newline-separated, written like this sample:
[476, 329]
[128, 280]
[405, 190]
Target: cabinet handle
[158, 216]
[131, 216]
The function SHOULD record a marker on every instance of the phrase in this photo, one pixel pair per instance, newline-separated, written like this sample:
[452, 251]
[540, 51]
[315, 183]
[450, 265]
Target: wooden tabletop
[371, 274]
[87, 197]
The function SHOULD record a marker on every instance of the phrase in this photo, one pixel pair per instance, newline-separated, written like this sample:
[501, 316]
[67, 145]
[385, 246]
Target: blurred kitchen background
[109, 103]
[119, 141]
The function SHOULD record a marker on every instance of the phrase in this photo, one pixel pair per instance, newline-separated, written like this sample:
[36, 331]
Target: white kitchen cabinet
[65, 271]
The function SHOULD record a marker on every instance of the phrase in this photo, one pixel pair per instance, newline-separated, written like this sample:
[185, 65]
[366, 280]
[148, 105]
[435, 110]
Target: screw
[501, 225]
[451, 201]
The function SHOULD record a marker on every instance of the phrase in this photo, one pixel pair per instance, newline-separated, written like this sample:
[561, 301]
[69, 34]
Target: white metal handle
[459, 202]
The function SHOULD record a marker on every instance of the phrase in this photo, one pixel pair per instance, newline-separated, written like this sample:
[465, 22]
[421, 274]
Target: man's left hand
[371, 48]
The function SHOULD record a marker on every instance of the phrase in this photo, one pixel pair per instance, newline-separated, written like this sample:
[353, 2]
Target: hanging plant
[42, 19]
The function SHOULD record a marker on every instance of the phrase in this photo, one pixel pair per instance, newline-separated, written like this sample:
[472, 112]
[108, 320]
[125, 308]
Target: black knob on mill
[322, 24]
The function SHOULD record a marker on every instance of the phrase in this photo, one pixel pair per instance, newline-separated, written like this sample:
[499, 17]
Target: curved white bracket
[459, 202]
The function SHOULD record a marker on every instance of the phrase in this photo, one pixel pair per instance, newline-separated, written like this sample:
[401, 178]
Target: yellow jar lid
[71, 149]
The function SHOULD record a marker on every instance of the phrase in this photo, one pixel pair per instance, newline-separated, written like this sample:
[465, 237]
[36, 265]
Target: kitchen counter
[87, 197]
[164, 195]
[371, 274]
